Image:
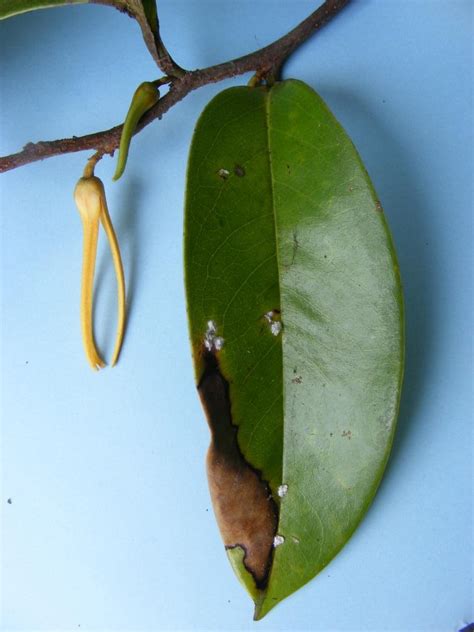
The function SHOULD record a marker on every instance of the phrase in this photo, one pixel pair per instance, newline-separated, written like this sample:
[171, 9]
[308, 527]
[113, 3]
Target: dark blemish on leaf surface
[347, 434]
[239, 171]
[245, 511]
[296, 245]
[297, 380]
[378, 206]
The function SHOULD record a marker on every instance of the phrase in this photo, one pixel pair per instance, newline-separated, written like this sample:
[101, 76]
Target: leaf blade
[10, 8]
[315, 410]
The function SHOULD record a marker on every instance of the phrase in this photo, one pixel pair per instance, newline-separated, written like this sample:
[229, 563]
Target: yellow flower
[91, 202]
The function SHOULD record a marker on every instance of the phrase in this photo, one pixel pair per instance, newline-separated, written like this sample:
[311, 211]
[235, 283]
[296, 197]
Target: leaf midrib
[267, 102]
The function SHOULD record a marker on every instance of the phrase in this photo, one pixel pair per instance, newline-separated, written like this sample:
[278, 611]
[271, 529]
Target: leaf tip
[263, 605]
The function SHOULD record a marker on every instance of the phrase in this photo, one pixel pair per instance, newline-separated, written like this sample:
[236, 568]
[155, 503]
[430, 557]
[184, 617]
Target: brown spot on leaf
[347, 434]
[297, 380]
[245, 511]
[378, 206]
[239, 171]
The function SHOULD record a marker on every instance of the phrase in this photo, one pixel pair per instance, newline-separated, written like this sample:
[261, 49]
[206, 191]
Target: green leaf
[9, 8]
[296, 325]
[143, 11]
[135, 8]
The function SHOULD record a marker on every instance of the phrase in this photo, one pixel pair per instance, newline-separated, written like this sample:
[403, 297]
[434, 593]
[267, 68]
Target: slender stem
[90, 166]
[265, 61]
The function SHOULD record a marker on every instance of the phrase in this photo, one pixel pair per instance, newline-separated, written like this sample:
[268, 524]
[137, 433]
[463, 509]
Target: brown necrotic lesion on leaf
[245, 511]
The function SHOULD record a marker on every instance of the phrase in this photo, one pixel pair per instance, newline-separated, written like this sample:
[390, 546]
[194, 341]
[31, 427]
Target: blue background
[110, 525]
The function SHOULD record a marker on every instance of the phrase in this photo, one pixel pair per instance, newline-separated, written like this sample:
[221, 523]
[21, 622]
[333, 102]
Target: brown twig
[262, 61]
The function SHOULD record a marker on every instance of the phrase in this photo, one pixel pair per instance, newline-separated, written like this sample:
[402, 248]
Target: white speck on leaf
[282, 490]
[223, 173]
[212, 342]
[218, 343]
[275, 328]
[275, 325]
[211, 327]
[277, 540]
